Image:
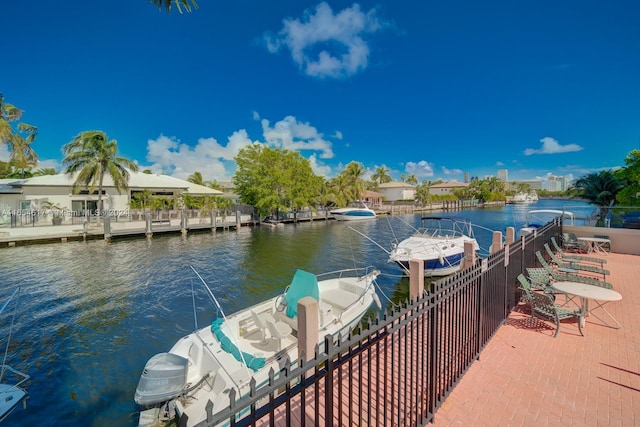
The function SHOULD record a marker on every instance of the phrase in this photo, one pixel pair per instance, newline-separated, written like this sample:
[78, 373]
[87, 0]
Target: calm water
[92, 313]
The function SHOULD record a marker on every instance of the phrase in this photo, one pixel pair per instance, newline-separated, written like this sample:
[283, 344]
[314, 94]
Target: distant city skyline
[438, 90]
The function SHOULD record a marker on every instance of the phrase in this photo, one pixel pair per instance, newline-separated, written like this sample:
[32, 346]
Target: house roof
[453, 184]
[395, 184]
[137, 180]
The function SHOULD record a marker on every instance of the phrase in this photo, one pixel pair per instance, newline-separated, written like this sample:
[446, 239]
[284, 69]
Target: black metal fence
[400, 367]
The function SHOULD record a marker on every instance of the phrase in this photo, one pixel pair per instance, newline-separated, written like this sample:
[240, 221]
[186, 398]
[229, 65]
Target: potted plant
[56, 210]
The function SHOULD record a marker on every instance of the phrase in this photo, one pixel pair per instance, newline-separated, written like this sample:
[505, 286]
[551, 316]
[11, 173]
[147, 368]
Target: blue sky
[431, 88]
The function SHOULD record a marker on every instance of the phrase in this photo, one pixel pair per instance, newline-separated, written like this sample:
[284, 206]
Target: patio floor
[525, 377]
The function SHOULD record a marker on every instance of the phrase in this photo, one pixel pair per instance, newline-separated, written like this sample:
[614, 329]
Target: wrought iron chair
[575, 265]
[544, 306]
[579, 258]
[558, 276]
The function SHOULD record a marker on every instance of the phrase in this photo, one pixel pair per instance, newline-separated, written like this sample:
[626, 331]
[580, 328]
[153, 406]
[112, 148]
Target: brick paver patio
[525, 377]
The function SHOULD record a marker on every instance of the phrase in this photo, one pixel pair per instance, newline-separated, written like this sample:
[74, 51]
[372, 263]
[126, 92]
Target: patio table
[585, 292]
[595, 244]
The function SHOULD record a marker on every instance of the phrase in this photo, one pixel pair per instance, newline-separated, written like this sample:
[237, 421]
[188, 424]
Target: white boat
[524, 198]
[12, 391]
[356, 211]
[539, 217]
[206, 364]
[439, 243]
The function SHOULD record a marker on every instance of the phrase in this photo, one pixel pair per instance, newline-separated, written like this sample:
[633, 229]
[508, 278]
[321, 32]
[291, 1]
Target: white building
[34, 194]
[446, 188]
[503, 175]
[557, 183]
[394, 191]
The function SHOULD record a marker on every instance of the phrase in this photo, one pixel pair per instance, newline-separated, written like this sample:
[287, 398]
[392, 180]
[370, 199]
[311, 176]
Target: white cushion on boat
[339, 298]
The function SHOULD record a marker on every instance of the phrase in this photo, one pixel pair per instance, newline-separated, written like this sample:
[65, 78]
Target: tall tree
[180, 4]
[381, 175]
[599, 189]
[273, 179]
[196, 178]
[630, 174]
[23, 156]
[92, 156]
[411, 179]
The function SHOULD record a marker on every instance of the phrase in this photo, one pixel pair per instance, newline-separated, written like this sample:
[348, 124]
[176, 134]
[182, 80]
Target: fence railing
[402, 365]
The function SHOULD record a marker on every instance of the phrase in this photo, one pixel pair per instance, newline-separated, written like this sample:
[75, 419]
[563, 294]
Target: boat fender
[441, 259]
[376, 299]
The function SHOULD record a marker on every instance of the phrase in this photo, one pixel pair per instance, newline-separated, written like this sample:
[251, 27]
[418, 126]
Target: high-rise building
[557, 183]
[466, 177]
[503, 175]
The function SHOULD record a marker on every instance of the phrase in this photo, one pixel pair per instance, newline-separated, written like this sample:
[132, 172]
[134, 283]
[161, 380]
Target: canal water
[90, 314]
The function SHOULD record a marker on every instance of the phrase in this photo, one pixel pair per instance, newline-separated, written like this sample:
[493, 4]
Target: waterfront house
[446, 188]
[394, 191]
[37, 193]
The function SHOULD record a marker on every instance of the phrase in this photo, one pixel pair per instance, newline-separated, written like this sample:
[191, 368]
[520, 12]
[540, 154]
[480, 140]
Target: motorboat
[202, 368]
[539, 217]
[524, 198]
[439, 243]
[357, 210]
[12, 391]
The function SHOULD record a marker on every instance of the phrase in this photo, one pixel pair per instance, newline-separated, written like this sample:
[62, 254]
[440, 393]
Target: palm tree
[92, 156]
[381, 176]
[354, 172]
[180, 4]
[196, 178]
[22, 154]
[599, 189]
[8, 113]
[411, 179]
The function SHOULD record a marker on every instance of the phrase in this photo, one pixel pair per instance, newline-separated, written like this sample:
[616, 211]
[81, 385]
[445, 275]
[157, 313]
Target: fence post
[416, 279]
[307, 327]
[511, 235]
[213, 220]
[147, 219]
[496, 243]
[183, 222]
[107, 228]
[469, 255]
[238, 219]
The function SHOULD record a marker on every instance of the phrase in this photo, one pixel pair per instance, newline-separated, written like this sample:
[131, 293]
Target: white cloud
[211, 159]
[292, 135]
[326, 45]
[337, 135]
[319, 168]
[215, 161]
[499, 163]
[551, 146]
[422, 169]
[451, 171]
[49, 163]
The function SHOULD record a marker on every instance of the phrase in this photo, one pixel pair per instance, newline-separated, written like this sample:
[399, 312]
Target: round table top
[594, 239]
[587, 291]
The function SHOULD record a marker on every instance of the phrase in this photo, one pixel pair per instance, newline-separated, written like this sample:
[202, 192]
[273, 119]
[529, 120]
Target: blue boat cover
[304, 284]
[227, 345]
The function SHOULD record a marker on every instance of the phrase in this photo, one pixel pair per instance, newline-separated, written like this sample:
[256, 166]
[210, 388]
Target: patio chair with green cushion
[526, 289]
[564, 277]
[539, 278]
[571, 243]
[578, 258]
[544, 306]
[574, 265]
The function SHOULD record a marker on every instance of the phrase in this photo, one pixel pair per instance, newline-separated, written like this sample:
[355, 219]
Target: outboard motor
[163, 378]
